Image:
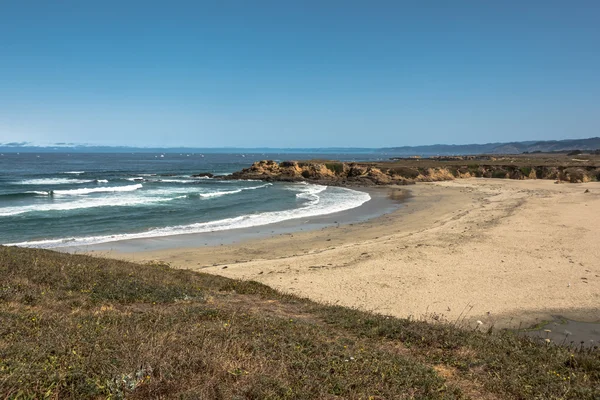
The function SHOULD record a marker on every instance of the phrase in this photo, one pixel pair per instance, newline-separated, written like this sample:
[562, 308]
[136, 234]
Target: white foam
[226, 192]
[119, 200]
[219, 194]
[54, 181]
[74, 172]
[113, 201]
[173, 181]
[107, 189]
[139, 178]
[338, 199]
[101, 180]
[187, 179]
[310, 192]
[40, 192]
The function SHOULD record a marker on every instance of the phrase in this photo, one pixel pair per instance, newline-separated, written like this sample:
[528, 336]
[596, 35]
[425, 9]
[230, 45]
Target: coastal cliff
[332, 173]
[395, 173]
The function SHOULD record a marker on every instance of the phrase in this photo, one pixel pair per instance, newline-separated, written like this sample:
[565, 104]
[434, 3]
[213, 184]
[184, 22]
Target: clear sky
[298, 73]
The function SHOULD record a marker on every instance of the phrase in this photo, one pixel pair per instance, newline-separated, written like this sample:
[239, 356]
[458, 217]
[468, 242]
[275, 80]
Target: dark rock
[203, 175]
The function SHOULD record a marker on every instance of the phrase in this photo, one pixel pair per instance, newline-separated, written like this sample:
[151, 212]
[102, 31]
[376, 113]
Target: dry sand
[501, 251]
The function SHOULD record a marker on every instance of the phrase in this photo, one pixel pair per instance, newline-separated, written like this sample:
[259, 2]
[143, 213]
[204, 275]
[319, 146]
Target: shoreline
[384, 200]
[509, 252]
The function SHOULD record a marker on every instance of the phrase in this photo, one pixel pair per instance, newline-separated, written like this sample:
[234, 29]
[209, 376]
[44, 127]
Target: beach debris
[587, 191]
[223, 267]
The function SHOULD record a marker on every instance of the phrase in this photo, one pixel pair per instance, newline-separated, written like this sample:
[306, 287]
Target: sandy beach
[507, 252]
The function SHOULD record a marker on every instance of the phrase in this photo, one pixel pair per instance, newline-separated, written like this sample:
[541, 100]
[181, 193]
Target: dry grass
[77, 327]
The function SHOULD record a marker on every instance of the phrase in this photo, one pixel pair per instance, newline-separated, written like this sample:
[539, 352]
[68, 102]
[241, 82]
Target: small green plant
[525, 171]
[336, 168]
[405, 172]
[499, 173]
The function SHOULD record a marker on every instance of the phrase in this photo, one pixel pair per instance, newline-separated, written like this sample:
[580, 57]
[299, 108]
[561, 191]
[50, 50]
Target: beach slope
[508, 253]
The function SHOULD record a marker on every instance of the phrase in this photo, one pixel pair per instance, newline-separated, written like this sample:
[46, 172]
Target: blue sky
[298, 74]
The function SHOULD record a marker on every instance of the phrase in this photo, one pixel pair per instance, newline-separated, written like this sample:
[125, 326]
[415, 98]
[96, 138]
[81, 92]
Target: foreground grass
[77, 327]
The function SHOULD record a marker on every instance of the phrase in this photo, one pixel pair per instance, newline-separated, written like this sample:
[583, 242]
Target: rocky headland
[403, 172]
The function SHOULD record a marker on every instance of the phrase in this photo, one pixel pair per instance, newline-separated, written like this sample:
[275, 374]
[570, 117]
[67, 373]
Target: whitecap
[54, 181]
[338, 199]
[107, 189]
[38, 192]
[85, 203]
[226, 192]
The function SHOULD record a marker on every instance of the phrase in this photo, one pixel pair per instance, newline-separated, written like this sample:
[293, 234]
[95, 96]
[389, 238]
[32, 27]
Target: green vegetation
[337, 168]
[525, 171]
[499, 173]
[73, 326]
[405, 172]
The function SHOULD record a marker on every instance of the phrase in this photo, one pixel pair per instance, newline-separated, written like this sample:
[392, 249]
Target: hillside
[73, 326]
[545, 146]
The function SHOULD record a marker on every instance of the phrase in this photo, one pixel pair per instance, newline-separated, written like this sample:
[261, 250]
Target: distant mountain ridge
[544, 146]
[428, 150]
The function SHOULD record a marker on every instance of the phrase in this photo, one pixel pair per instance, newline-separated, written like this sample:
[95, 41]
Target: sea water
[50, 200]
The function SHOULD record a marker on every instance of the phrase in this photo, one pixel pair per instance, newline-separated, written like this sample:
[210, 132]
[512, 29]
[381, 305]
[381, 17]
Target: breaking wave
[318, 200]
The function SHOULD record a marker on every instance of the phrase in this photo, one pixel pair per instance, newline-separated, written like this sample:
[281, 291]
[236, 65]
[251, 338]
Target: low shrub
[405, 172]
[525, 171]
[337, 168]
[499, 174]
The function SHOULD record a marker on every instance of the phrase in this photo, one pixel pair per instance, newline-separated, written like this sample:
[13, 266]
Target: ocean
[51, 200]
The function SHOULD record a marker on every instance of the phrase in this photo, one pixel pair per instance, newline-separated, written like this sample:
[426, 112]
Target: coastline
[383, 200]
[509, 253]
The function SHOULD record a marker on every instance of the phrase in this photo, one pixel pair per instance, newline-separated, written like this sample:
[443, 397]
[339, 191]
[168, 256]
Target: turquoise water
[56, 200]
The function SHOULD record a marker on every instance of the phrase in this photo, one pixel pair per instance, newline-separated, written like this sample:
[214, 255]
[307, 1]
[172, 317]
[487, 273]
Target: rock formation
[391, 173]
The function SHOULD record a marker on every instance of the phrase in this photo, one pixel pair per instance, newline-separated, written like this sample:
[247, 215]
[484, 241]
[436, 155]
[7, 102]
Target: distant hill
[545, 146]
[429, 150]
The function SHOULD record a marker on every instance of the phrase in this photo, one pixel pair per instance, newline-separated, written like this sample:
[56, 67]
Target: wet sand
[383, 201]
[508, 253]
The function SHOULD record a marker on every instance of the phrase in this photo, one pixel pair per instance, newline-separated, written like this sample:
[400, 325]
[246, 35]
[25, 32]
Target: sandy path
[509, 252]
